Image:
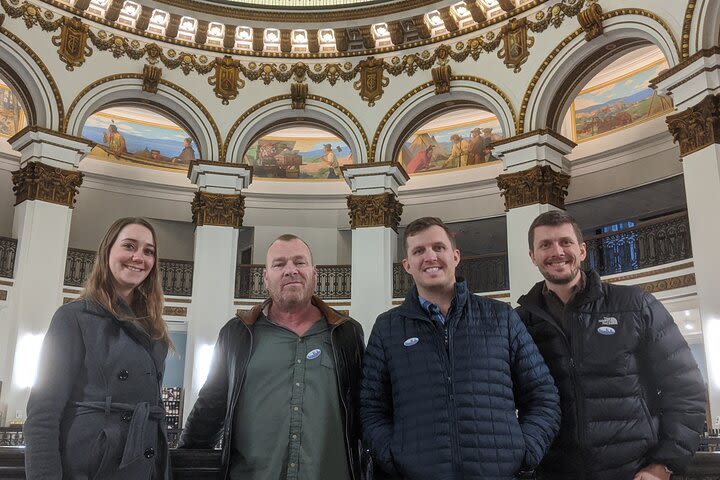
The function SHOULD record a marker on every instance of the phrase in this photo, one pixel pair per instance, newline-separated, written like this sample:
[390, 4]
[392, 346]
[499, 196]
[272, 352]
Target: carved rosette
[381, 210]
[151, 78]
[516, 43]
[372, 80]
[540, 184]
[441, 79]
[227, 81]
[698, 126]
[218, 209]
[72, 42]
[591, 21]
[37, 181]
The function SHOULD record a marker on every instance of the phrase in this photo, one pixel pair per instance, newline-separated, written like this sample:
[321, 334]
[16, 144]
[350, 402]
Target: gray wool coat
[95, 411]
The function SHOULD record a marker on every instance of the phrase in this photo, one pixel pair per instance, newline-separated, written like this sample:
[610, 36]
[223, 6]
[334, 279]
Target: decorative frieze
[540, 184]
[72, 42]
[380, 210]
[38, 181]
[174, 311]
[591, 21]
[372, 80]
[681, 281]
[441, 79]
[218, 209]
[698, 126]
[151, 78]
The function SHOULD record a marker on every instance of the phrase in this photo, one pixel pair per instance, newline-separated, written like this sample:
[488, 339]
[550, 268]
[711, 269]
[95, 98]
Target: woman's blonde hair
[147, 300]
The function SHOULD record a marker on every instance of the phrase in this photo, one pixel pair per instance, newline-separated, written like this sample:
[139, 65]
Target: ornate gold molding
[516, 44]
[151, 78]
[227, 80]
[3, 293]
[72, 42]
[671, 283]
[441, 79]
[591, 21]
[704, 53]
[175, 311]
[372, 81]
[38, 181]
[298, 95]
[218, 209]
[687, 25]
[539, 184]
[659, 271]
[698, 126]
[381, 210]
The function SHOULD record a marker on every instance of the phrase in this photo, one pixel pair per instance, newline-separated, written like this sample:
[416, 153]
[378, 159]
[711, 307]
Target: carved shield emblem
[372, 80]
[227, 80]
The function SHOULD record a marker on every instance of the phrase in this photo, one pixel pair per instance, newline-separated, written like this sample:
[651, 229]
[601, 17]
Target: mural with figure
[139, 137]
[619, 103]
[298, 153]
[460, 138]
[12, 115]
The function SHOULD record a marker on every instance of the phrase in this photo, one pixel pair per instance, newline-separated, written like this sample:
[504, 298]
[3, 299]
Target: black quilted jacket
[631, 392]
[437, 409]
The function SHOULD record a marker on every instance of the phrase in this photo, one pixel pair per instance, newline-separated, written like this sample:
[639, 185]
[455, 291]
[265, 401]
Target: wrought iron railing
[652, 243]
[8, 248]
[483, 273]
[175, 275]
[333, 282]
[11, 437]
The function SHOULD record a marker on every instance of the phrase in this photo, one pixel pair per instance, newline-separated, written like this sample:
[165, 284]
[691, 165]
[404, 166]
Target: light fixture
[243, 33]
[130, 9]
[687, 313]
[435, 19]
[188, 24]
[272, 35]
[216, 30]
[159, 17]
[326, 36]
[461, 10]
[381, 30]
[299, 36]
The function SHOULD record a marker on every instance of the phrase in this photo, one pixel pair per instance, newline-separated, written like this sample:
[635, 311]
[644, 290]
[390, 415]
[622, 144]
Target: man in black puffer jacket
[632, 397]
[453, 386]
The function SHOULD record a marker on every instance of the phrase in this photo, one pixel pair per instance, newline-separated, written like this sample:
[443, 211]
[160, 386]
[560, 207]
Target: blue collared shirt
[433, 310]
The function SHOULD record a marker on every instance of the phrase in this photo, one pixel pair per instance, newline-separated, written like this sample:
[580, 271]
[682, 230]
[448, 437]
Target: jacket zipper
[342, 401]
[447, 348]
[579, 401]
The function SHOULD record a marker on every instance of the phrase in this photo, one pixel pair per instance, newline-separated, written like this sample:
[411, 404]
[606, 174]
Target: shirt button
[292, 464]
[123, 375]
[295, 408]
[298, 361]
[297, 384]
[294, 437]
[126, 416]
[149, 452]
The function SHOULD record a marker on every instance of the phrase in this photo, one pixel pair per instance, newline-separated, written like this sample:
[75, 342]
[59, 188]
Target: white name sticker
[313, 354]
[606, 331]
[411, 341]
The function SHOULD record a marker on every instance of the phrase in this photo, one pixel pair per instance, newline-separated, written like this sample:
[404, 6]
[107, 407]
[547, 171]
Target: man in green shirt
[283, 385]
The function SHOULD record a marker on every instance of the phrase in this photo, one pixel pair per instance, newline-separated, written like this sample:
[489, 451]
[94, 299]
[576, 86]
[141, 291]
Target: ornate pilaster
[380, 210]
[698, 126]
[539, 184]
[37, 181]
[218, 209]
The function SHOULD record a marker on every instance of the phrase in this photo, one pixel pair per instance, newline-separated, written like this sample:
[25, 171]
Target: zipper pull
[572, 362]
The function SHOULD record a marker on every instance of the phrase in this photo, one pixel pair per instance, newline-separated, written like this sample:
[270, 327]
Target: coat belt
[142, 413]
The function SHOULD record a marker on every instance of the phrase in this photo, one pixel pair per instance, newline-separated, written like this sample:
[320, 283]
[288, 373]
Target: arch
[170, 99]
[701, 29]
[32, 82]
[413, 108]
[275, 111]
[575, 60]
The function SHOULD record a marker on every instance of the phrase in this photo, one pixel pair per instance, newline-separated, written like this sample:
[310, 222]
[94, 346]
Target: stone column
[536, 182]
[45, 187]
[218, 210]
[695, 89]
[375, 213]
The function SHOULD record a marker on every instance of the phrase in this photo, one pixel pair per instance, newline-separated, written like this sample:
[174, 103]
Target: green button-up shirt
[288, 421]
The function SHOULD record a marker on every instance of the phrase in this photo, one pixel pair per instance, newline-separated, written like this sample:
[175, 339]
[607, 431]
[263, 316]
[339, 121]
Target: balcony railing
[333, 282]
[175, 275]
[8, 248]
[652, 243]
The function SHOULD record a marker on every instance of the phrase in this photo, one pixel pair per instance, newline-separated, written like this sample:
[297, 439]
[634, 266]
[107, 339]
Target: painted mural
[139, 137]
[460, 138]
[619, 103]
[12, 115]
[298, 153]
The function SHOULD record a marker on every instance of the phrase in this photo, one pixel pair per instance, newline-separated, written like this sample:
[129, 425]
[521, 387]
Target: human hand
[654, 471]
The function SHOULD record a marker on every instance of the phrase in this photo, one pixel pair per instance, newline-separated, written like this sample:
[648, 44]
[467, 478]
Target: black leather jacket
[212, 416]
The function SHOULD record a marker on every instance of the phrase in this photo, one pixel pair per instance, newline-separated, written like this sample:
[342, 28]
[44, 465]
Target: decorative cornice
[218, 209]
[698, 126]
[538, 132]
[659, 271]
[539, 184]
[671, 283]
[380, 210]
[687, 26]
[591, 21]
[704, 53]
[38, 181]
[49, 131]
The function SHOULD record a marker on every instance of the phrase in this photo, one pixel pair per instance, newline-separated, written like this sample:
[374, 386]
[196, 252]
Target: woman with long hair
[95, 411]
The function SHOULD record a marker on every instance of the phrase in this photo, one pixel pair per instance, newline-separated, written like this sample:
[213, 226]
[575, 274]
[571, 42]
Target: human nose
[290, 269]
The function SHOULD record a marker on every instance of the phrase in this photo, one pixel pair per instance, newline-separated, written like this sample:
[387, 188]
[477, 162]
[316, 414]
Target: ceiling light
[687, 313]
[159, 17]
[130, 9]
[188, 24]
[272, 35]
[244, 33]
[300, 36]
[461, 10]
[327, 36]
[689, 326]
[434, 18]
[100, 3]
[381, 30]
[216, 30]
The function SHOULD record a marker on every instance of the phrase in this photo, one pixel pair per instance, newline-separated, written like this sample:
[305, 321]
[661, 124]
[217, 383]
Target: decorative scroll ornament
[681, 281]
[372, 80]
[151, 78]
[72, 42]
[37, 181]
[441, 79]
[381, 210]
[698, 126]
[516, 43]
[174, 311]
[298, 95]
[540, 184]
[591, 21]
[227, 79]
[218, 209]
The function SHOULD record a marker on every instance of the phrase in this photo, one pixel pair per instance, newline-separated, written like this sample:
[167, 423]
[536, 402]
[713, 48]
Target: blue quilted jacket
[469, 400]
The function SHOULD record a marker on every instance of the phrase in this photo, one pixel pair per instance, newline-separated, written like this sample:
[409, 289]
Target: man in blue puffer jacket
[453, 386]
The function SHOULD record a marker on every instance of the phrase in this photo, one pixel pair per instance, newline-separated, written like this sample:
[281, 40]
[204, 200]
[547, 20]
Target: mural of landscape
[619, 103]
[139, 137]
[298, 153]
[12, 116]
[460, 138]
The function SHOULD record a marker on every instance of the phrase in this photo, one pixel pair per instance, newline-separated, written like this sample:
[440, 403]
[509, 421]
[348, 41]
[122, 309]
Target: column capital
[375, 178]
[537, 147]
[377, 210]
[698, 126]
[38, 181]
[540, 184]
[42, 145]
[220, 177]
[694, 78]
[222, 210]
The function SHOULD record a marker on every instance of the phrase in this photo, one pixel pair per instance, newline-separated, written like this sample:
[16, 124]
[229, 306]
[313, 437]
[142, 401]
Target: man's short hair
[553, 218]
[289, 237]
[422, 224]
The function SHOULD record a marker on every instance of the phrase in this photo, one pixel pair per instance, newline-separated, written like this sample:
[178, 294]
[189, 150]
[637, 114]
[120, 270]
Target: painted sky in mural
[140, 137]
[619, 103]
[298, 153]
[12, 116]
[460, 138]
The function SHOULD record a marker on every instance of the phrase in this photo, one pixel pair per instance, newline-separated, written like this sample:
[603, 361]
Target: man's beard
[561, 280]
